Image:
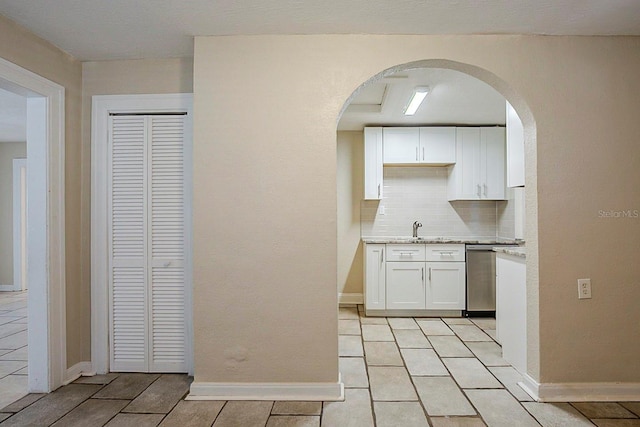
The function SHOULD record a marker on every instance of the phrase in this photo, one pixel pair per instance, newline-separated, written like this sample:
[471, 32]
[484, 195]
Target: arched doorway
[350, 253]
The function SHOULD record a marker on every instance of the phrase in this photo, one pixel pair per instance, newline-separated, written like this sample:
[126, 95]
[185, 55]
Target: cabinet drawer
[445, 253]
[406, 252]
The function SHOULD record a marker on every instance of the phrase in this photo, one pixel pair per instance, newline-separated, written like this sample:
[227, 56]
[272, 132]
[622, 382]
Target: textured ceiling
[99, 29]
[454, 98]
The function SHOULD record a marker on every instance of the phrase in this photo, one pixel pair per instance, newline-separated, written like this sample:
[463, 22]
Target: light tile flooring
[13, 346]
[397, 372]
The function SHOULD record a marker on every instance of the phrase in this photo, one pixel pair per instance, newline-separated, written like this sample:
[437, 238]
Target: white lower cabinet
[414, 277]
[374, 267]
[445, 288]
[405, 285]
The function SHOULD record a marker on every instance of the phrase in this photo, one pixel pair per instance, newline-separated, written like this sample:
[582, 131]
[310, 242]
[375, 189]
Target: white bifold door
[147, 233]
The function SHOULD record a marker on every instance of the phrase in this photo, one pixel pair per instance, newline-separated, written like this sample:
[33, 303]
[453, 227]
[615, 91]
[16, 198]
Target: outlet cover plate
[584, 288]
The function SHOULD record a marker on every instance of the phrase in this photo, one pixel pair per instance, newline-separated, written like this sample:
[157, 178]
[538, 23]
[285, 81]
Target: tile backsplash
[420, 194]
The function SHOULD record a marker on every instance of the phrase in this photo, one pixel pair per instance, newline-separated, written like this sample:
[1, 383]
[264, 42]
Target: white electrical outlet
[381, 210]
[584, 288]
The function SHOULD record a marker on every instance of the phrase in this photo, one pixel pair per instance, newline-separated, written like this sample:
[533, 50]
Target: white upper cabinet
[515, 149]
[438, 145]
[492, 164]
[373, 163]
[401, 145]
[423, 145]
[479, 172]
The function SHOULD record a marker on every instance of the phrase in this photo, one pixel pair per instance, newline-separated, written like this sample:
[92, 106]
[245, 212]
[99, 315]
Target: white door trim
[19, 224]
[102, 106]
[46, 216]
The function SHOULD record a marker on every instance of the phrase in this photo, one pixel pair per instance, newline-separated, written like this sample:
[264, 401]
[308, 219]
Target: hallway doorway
[44, 305]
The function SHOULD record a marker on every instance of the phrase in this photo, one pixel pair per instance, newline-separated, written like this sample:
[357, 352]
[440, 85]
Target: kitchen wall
[8, 152]
[350, 189]
[420, 194]
[29, 51]
[410, 194]
[275, 159]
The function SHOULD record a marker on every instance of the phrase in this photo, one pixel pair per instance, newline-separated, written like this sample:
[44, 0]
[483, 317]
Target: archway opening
[461, 96]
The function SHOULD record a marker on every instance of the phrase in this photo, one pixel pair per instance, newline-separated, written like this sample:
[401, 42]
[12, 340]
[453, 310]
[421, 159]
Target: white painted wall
[8, 152]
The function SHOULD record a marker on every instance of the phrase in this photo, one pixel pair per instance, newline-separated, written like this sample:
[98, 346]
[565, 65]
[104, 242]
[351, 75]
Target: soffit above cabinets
[454, 98]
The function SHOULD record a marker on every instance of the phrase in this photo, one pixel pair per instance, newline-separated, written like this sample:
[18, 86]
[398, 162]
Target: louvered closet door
[166, 216]
[147, 235]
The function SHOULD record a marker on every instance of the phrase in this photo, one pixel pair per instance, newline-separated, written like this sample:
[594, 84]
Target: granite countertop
[519, 251]
[435, 240]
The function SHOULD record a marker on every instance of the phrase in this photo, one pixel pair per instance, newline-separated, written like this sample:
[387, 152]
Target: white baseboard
[267, 391]
[530, 386]
[76, 371]
[582, 392]
[350, 298]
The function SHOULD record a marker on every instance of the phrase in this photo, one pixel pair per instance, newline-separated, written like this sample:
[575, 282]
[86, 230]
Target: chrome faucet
[416, 225]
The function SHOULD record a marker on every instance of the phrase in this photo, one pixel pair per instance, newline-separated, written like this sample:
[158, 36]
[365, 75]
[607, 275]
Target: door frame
[102, 107]
[46, 306]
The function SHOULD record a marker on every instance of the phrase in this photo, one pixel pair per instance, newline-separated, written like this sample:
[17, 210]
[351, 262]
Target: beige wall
[23, 48]
[265, 265]
[350, 190]
[148, 76]
[8, 152]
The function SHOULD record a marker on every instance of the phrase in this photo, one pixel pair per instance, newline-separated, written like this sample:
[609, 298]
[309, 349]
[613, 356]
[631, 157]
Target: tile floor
[397, 372]
[13, 346]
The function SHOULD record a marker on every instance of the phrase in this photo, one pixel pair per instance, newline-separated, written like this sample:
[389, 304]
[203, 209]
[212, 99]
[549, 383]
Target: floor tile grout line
[504, 387]
[224, 405]
[453, 378]
[366, 367]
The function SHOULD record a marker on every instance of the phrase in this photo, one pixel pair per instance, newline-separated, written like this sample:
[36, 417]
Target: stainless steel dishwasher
[481, 280]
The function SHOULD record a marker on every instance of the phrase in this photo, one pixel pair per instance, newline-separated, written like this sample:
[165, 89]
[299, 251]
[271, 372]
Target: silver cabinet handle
[378, 191]
[381, 257]
[422, 153]
[429, 275]
[485, 190]
[478, 190]
[417, 154]
[423, 275]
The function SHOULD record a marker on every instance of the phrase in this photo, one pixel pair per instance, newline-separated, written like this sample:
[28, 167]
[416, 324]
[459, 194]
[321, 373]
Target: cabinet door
[492, 163]
[445, 286]
[374, 281]
[515, 149]
[438, 145]
[405, 285]
[467, 167]
[401, 145]
[373, 163]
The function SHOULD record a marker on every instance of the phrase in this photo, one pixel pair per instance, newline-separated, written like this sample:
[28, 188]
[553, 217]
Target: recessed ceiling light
[419, 94]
